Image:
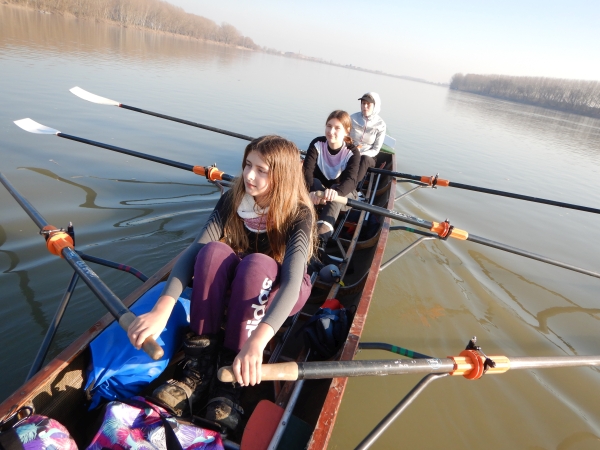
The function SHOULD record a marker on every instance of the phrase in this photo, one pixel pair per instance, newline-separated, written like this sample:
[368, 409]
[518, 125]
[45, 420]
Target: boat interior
[57, 390]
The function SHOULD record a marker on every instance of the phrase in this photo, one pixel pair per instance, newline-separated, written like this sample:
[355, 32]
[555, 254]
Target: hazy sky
[425, 39]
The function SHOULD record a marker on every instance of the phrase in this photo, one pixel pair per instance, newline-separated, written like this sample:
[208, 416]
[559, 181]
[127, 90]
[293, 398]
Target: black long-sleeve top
[293, 266]
[346, 182]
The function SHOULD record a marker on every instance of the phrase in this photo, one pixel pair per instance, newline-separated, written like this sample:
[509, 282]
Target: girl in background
[331, 165]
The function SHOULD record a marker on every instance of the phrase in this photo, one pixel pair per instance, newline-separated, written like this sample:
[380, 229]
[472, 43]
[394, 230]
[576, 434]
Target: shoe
[197, 370]
[224, 406]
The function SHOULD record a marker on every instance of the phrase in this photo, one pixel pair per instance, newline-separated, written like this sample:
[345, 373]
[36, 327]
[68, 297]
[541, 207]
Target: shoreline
[596, 114]
[71, 16]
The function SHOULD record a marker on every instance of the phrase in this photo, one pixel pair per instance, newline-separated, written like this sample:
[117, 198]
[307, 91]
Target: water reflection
[490, 267]
[23, 275]
[581, 134]
[91, 196]
[574, 441]
[51, 34]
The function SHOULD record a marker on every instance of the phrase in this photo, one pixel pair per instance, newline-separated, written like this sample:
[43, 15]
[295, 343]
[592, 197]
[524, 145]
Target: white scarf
[254, 217]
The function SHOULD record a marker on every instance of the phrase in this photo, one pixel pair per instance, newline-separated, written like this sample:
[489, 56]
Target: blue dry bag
[119, 371]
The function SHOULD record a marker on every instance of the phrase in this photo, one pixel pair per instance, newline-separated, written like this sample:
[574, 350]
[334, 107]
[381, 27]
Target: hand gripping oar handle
[61, 244]
[435, 181]
[456, 233]
[468, 364]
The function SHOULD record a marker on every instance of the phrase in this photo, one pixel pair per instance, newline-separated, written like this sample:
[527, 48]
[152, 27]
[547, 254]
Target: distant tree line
[155, 15]
[575, 96]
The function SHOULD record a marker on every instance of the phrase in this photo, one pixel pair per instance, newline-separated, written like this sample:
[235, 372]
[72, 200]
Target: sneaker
[197, 370]
[224, 407]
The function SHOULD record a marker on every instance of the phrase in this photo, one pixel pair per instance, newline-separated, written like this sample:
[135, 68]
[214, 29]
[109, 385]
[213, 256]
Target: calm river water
[432, 300]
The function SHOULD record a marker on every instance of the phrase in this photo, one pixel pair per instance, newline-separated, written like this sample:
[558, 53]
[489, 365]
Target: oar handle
[338, 198]
[150, 346]
[281, 371]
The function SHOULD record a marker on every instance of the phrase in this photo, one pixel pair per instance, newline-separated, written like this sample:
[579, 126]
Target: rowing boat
[57, 390]
[307, 394]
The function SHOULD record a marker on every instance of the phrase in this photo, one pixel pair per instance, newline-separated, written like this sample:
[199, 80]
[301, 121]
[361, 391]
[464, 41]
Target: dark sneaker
[226, 411]
[197, 370]
[224, 407]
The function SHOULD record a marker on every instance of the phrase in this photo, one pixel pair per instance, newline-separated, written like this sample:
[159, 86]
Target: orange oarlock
[435, 181]
[199, 170]
[57, 240]
[443, 230]
[470, 364]
[211, 173]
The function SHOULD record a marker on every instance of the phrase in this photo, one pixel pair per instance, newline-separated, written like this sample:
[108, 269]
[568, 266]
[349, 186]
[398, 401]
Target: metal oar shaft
[523, 197]
[187, 122]
[101, 290]
[391, 173]
[114, 148]
[114, 305]
[37, 218]
[198, 170]
[547, 362]
[530, 255]
[452, 365]
[334, 369]
[471, 237]
[386, 212]
[469, 187]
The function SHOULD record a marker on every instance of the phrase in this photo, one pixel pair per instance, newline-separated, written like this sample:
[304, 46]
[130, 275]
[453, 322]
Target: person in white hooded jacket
[368, 131]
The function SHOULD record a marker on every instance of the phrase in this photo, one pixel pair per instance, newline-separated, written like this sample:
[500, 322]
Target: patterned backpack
[23, 430]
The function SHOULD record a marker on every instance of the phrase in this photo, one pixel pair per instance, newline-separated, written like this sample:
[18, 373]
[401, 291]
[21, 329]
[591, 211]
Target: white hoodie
[368, 133]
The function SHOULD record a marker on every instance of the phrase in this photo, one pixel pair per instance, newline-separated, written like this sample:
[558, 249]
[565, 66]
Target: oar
[453, 365]
[210, 173]
[61, 244]
[444, 230]
[435, 181]
[432, 181]
[81, 93]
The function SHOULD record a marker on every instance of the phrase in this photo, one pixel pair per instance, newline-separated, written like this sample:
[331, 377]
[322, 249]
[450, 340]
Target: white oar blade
[81, 93]
[33, 127]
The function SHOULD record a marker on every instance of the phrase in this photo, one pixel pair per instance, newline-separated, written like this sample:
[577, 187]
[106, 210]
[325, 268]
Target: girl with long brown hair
[255, 246]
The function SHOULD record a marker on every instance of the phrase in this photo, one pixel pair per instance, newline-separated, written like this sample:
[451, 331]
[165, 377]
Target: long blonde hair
[287, 197]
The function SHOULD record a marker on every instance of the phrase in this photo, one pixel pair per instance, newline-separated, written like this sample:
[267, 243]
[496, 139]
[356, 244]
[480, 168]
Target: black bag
[326, 331]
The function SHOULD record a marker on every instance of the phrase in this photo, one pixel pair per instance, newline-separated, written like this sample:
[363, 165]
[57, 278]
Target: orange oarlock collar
[56, 240]
[444, 230]
[470, 364]
[211, 173]
[435, 181]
